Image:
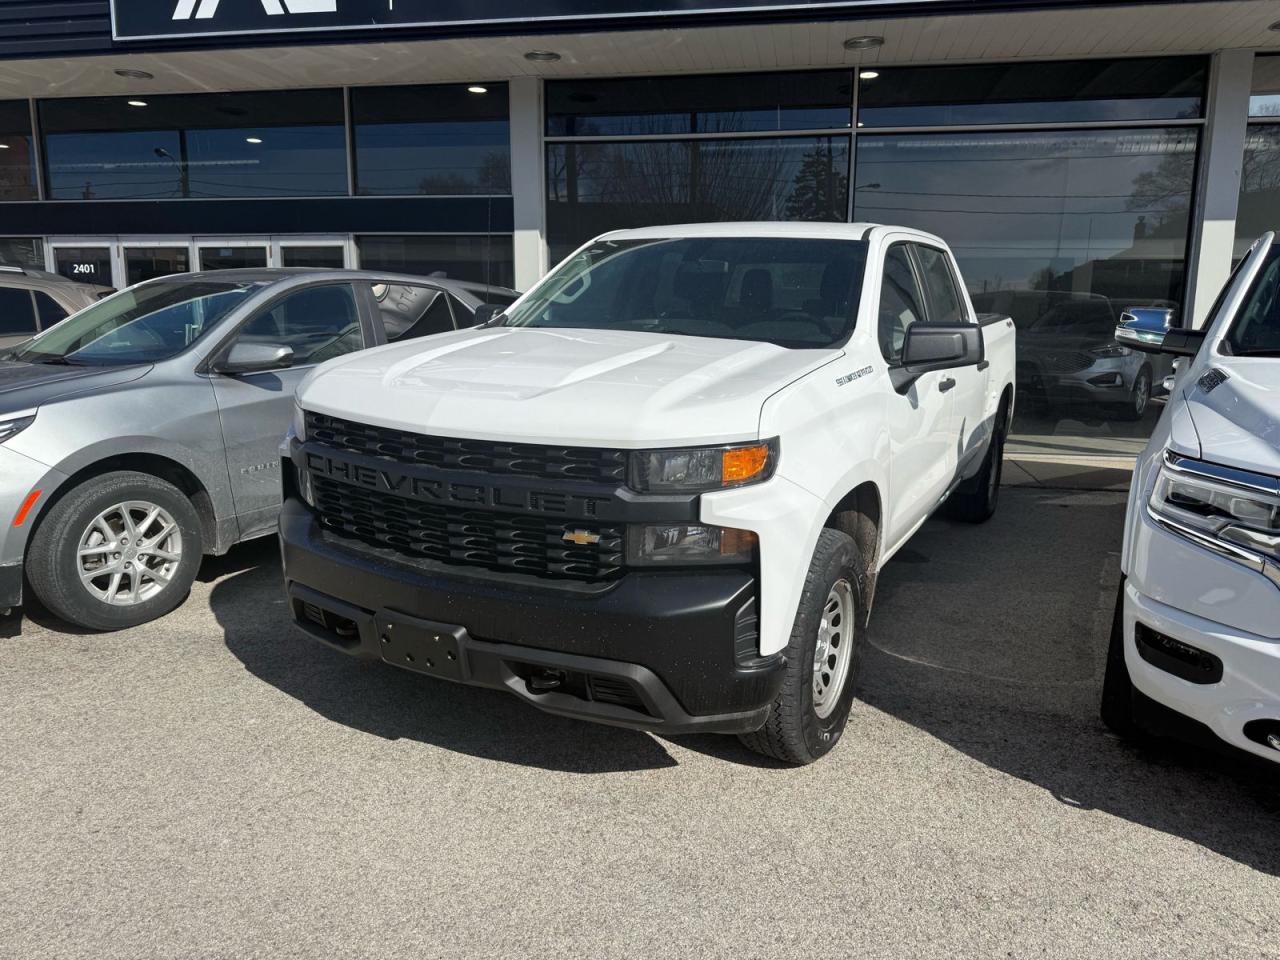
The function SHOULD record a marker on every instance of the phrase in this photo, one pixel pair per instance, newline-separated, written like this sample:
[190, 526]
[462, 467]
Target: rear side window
[17, 315]
[901, 302]
[318, 323]
[408, 311]
[48, 310]
[945, 302]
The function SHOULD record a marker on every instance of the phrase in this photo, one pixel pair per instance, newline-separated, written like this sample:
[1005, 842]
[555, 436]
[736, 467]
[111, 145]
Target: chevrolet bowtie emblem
[583, 538]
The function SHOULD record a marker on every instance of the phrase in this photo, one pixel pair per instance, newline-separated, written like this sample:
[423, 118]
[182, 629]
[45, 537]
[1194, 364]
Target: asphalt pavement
[215, 786]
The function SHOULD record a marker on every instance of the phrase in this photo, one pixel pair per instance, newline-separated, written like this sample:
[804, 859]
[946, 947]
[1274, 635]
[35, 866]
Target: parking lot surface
[215, 786]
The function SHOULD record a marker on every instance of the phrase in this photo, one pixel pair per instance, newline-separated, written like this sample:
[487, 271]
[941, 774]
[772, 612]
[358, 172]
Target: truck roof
[763, 228]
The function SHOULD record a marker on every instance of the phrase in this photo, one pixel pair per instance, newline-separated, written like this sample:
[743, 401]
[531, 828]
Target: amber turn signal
[743, 463]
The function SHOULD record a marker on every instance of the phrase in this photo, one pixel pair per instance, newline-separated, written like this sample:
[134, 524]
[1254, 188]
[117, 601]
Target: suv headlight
[299, 422]
[13, 426]
[701, 469]
[1231, 512]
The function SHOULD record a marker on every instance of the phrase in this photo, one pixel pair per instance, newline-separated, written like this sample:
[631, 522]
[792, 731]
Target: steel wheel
[129, 553]
[833, 652]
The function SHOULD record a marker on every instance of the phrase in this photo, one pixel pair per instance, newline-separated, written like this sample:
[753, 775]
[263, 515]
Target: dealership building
[1081, 159]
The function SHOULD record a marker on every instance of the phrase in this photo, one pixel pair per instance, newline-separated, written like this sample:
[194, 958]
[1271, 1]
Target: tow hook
[544, 681]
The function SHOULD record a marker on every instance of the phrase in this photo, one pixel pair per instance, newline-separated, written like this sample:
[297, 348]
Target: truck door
[923, 449]
[317, 323]
[946, 304]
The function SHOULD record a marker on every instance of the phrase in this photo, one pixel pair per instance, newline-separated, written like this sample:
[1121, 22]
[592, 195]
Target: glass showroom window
[476, 259]
[714, 148]
[22, 252]
[1062, 229]
[17, 166]
[275, 144]
[1259, 209]
[435, 140]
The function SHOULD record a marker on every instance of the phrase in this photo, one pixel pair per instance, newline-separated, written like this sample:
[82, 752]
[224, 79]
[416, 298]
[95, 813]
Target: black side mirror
[255, 358]
[938, 346]
[485, 314]
[1183, 343]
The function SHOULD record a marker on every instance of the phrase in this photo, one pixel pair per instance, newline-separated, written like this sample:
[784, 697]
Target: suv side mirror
[938, 346]
[1144, 328]
[255, 358]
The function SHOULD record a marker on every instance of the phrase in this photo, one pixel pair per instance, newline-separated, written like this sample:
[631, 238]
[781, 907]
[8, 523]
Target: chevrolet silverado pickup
[656, 491]
[1195, 644]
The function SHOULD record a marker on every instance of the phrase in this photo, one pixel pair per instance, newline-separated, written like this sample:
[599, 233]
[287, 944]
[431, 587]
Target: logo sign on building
[157, 19]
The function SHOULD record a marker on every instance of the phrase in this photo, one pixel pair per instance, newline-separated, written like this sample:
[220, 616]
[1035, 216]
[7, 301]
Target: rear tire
[975, 500]
[824, 654]
[1117, 687]
[116, 551]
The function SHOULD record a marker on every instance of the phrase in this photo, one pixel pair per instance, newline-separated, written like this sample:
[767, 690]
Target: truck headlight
[299, 422]
[700, 469]
[1231, 512]
[13, 426]
[685, 544]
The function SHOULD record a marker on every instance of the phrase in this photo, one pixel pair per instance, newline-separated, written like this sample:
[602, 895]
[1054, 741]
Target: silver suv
[142, 433]
[33, 300]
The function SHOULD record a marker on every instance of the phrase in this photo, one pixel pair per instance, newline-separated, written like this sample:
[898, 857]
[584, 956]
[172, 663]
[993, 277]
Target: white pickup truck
[657, 491]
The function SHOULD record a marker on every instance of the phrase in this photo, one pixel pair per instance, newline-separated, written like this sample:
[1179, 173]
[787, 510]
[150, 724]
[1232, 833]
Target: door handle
[983, 364]
[946, 384]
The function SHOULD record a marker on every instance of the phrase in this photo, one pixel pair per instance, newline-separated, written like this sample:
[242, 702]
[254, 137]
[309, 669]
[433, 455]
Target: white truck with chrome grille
[656, 492]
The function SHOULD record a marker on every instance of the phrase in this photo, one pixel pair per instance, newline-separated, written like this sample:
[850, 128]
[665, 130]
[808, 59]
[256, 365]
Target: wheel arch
[181, 476]
[859, 514]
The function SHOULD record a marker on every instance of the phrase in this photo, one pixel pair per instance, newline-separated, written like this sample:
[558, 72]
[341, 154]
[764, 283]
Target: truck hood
[580, 387]
[1236, 418]
[25, 386]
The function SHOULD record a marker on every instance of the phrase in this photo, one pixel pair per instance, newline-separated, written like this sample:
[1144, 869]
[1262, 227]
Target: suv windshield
[793, 292]
[1256, 328]
[148, 323]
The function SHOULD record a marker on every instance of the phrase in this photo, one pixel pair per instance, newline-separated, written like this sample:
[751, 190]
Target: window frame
[961, 299]
[895, 363]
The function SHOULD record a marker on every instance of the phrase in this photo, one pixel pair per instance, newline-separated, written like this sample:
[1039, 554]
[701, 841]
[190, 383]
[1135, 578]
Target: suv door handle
[946, 385]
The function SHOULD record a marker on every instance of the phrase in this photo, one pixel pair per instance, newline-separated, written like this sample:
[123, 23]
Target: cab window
[901, 302]
[945, 303]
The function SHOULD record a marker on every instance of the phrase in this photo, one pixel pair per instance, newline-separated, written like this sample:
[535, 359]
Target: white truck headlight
[701, 469]
[686, 544]
[299, 422]
[12, 426]
[1232, 512]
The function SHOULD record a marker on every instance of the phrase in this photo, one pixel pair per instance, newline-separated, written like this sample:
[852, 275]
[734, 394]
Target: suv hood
[580, 387]
[24, 386]
[1236, 418]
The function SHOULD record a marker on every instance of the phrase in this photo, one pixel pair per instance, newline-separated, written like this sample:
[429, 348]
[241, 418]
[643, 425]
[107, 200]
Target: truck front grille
[481, 456]
[476, 538]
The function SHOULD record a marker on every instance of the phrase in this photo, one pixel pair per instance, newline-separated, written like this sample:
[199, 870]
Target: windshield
[1256, 328]
[793, 292]
[142, 325]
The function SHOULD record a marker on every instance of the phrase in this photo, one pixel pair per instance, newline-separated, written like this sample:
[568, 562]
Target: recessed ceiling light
[4, 146]
[137, 103]
[135, 74]
[869, 74]
[863, 43]
[542, 56]
[477, 89]
[252, 139]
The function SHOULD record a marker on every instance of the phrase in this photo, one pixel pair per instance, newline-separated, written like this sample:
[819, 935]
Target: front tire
[116, 551]
[1135, 407]
[808, 717]
[1117, 686]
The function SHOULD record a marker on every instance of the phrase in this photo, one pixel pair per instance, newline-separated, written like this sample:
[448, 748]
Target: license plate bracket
[423, 646]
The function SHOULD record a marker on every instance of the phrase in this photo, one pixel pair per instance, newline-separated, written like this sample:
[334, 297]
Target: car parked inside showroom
[141, 433]
[33, 300]
[1195, 644]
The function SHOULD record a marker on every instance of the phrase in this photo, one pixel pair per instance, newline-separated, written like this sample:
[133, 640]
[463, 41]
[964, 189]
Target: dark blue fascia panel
[49, 28]
[259, 217]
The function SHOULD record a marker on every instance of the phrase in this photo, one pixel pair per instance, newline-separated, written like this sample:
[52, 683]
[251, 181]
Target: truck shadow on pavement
[394, 704]
[993, 641]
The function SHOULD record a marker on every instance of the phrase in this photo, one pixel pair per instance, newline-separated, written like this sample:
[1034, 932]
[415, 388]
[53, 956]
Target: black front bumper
[10, 587]
[653, 651]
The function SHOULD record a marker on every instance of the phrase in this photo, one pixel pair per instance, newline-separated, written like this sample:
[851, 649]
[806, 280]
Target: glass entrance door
[145, 261]
[327, 253]
[232, 256]
[86, 264]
